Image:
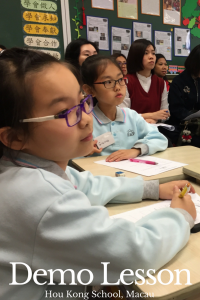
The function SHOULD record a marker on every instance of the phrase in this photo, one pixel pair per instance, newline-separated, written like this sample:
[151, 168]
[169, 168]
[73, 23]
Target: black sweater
[184, 97]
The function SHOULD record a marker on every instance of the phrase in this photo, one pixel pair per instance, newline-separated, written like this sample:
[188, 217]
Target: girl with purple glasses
[53, 217]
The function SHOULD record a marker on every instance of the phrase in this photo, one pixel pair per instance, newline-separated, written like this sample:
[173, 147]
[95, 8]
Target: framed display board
[120, 40]
[127, 9]
[181, 42]
[97, 32]
[163, 43]
[103, 4]
[142, 31]
[172, 12]
[150, 7]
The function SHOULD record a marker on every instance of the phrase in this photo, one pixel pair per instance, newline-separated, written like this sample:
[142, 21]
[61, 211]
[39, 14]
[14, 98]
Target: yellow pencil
[185, 190]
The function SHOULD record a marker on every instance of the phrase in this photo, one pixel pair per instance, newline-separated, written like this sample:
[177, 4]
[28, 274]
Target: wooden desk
[186, 154]
[187, 258]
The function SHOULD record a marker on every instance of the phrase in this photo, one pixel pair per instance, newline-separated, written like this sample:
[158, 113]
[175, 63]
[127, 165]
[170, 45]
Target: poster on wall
[181, 42]
[142, 31]
[163, 43]
[150, 7]
[97, 32]
[127, 9]
[103, 4]
[172, 12]
[120, 40]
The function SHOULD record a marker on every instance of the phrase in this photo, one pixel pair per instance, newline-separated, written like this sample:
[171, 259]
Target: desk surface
[187, 258]
[186, 154]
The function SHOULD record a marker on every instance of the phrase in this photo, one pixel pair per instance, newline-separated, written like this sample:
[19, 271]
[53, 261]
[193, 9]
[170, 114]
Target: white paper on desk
[163, 165]
[137, 214]
[166, 126]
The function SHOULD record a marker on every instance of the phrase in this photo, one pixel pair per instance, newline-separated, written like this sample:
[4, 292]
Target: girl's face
[86, 51]
[161, 67]
[122, 63]
[56, 89]
[112, 96]
[149, 58]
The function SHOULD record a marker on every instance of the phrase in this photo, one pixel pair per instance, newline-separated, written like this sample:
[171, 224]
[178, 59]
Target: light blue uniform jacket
[50, 219]
[129, 130]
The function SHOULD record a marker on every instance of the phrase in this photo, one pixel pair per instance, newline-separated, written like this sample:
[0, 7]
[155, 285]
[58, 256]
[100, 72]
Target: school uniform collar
[34, 162]
[143, 78]
[102, 119]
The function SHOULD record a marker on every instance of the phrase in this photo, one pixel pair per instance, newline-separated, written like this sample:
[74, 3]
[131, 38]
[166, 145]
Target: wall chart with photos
[38, 24]
[150, 19]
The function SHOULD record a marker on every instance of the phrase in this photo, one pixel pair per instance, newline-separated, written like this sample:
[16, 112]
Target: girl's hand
[123, 154]
[185, 203]
[166, 190]
[161, 115]
[95, 149]
[150, 121]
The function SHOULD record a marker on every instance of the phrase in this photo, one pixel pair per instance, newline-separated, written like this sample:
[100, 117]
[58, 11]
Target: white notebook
[137, 214]
[163, 165]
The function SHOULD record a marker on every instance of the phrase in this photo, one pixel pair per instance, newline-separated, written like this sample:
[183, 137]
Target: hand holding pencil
[185, 202]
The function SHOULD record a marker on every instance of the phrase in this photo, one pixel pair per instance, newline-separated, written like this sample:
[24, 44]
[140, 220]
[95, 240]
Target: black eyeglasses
[72, 116]
[109, 84]
[122, 63]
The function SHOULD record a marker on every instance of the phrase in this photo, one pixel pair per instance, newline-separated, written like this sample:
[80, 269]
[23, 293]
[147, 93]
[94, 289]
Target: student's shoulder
[40, 180]
[181, 79]
[131, 78]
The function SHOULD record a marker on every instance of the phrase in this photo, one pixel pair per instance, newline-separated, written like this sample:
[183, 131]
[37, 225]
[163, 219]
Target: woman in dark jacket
[184, 94]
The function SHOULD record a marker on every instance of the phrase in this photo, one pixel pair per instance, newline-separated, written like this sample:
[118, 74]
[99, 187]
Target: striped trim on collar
[102, 119]
[29, 161]
[21, 162]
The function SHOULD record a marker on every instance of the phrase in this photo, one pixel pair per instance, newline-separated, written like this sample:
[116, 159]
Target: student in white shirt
[103, 78]
[52, 217]
[148, 93]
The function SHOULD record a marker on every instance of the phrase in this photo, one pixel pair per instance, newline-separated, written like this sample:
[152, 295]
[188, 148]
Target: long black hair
[94, 66]
[192, 63]
[136, 54]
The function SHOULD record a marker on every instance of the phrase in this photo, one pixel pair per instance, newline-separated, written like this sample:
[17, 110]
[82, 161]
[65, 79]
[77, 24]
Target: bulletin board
[156, 21]
[12, 23]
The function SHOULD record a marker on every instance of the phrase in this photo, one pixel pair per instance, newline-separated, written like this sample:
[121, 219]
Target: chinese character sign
[39, 5]
[40, 41]
[55, 54]
[41, 29]
[34, 16]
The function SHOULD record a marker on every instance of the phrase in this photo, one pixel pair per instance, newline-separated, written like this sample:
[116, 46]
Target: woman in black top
[184, 94]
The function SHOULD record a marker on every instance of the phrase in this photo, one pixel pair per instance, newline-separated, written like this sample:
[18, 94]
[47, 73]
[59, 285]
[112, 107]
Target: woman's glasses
[122, 64]
[109, 84]
[72, 116]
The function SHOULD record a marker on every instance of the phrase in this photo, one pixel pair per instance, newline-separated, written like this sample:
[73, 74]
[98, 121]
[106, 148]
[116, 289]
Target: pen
[185, 190]
[148, 162]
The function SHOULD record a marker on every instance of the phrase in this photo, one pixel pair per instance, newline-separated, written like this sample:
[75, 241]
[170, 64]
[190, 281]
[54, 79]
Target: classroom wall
[157, 23]
[12, 22]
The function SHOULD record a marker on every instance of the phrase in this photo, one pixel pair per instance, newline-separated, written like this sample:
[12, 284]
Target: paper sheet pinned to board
[137, 214]
[163, 165]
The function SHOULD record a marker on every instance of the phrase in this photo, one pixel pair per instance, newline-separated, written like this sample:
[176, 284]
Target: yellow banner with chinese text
[33, 16]
[41, 29]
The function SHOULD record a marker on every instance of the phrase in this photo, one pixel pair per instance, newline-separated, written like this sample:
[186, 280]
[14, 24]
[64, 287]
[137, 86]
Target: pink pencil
[148, 162]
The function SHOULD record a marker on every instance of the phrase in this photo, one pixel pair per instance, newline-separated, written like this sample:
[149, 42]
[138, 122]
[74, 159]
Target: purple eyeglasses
[72, 116]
